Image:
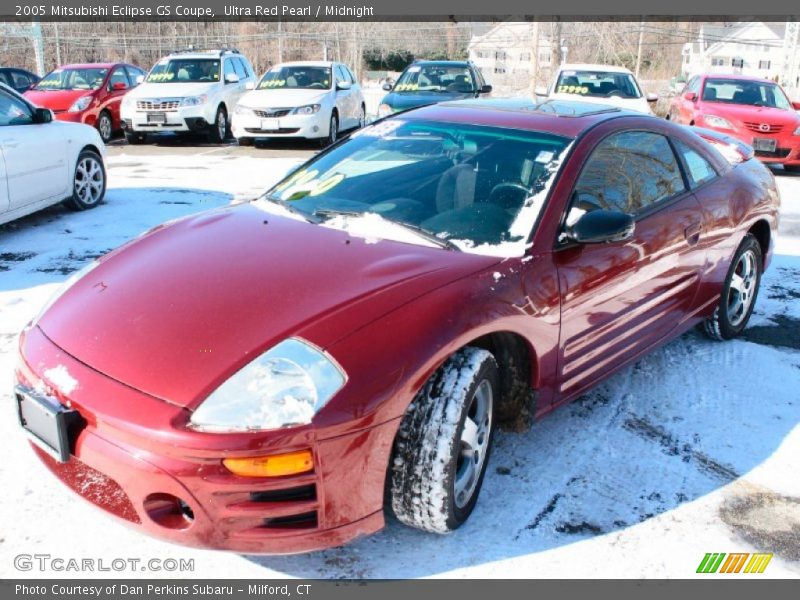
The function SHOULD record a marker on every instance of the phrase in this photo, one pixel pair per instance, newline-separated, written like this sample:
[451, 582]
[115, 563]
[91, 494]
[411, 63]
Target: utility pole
[58, 46]
[38, 47]
[534, 57]
[639, 48]
[280, 42]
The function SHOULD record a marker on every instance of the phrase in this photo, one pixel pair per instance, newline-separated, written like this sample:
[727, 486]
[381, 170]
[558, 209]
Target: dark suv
[431, 81]
[17, 79]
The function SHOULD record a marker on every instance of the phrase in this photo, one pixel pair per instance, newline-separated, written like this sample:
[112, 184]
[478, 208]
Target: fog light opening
[168, 511]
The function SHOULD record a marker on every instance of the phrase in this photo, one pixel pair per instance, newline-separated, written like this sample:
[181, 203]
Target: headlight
[285, 386]
[80, 104]
[242, 110]
[306, 110]
[797, 131]
[719, 122]
[384, 110]
[194, 100]
[68, 283]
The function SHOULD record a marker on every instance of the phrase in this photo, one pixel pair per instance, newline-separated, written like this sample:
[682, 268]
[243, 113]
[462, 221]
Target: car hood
[281, 98]
[170, 90]
[638, 104]
[405, 100]
[179, 310]
[55, 100]
[752, 114]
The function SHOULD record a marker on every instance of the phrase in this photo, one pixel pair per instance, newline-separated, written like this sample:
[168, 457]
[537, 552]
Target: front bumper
[182, 120]
[82, 116]
[301, 126]
[787, 145]
[133, 459]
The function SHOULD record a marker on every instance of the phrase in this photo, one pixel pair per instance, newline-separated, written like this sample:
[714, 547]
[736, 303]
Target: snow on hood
[279, 98]
[177, 312]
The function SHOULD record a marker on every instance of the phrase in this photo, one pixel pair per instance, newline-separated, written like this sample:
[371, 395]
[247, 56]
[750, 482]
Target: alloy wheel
[89, 180]
[474, 444]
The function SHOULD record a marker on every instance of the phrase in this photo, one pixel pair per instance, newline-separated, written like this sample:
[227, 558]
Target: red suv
[757, 111]
[87, 93]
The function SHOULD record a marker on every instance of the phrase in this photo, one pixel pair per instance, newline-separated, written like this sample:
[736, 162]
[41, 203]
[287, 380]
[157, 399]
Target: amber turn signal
[276, 465]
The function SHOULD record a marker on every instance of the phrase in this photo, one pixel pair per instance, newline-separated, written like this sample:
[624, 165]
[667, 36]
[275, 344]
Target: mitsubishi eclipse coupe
[270, 377]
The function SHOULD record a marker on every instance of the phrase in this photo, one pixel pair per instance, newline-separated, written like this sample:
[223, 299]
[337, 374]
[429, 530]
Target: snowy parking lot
[693, 449]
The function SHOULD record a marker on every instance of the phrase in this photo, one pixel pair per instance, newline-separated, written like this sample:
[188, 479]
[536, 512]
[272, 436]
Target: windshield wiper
[423, 233]
[290, 207]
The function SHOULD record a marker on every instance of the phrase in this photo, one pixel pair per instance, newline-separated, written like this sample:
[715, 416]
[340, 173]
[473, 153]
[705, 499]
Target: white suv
[187, 92]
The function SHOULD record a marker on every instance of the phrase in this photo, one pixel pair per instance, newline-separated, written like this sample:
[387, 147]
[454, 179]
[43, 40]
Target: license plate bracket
[47, 423]
[765, 144]
[270, 124]
[156, 117]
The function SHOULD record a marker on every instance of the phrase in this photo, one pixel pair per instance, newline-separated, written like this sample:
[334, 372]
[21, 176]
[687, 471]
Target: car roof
[305, 63]
[593, 67]
[736, 76]
[97, 65]
[443, 63]
[567, 118]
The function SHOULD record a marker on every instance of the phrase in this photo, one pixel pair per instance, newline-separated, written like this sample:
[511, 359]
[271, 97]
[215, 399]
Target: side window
[340, 76]
[627, 172]
[14, 111]
[693, 85]
[239, 68]
[4, 78]
[21, 80]
[229, 69]
[133, 73]
[698, 168]
[248, 67]
[350, 75]
[118, 76]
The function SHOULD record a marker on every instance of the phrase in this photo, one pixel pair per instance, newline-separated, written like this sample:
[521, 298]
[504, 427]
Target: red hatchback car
[261, 377]
[756, 111]
[87, 93]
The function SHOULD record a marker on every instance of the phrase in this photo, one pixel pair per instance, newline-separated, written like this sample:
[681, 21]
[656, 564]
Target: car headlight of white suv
[285, 386]
[194, 100]
[308, 109]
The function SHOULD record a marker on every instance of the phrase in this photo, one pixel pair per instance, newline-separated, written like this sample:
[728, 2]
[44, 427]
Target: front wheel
[105, 127]
[442, 446]
[333, 131]
[739, 292]
[219, 129]
[89, 182]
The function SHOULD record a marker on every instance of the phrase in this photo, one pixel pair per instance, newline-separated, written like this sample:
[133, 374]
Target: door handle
[692, 233]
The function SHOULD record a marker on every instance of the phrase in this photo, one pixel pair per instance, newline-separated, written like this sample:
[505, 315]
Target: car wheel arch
[763, 233]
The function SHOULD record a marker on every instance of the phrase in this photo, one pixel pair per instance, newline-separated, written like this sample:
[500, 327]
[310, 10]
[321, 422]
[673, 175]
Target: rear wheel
[105, 127]
[738, 293]
[89, 181]
[442, 446]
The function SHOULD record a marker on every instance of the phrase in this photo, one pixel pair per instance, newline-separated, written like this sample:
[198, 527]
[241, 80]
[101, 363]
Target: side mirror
[42, 115]
[250, 85]
[690, 96]
[231, 78]
[796, 105]
[540, 91]
[386, 87]
[139, 79]
[486, 89]
[652, 97]
[599, 226]
[118, 86]
[343, 85]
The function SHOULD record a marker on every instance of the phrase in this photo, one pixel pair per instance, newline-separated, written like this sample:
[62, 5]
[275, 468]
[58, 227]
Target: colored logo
[736, 562]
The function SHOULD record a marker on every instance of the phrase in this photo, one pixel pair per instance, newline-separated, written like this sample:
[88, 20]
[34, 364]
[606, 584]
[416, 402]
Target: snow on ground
[693, 449]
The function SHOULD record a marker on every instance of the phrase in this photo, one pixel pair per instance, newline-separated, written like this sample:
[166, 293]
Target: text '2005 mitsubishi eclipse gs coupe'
[261, 377]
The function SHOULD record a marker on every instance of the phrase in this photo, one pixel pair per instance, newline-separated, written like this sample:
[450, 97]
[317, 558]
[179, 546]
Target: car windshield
[597, 84]
[296, 77]
[749, 93]
[185, 70]
[473, 188]
[73, 79]
[435, 78]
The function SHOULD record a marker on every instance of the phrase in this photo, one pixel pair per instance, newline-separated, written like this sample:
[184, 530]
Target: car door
[619, 299]
[686, 107]
[232, 91]
[4, 204]
[118, 85]
[344, 98]
[35, 154]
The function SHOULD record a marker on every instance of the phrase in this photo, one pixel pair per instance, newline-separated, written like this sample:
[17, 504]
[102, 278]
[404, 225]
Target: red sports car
[87, 93]
[757, 111]
[261, 377]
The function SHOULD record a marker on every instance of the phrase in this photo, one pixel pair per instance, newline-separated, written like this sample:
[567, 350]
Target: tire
[739, 292]
[362, 117]
[245, 141]
[439, 459]
[134, 137]
[333, 131]
[219, 129]
[89, 181]
[105, 127]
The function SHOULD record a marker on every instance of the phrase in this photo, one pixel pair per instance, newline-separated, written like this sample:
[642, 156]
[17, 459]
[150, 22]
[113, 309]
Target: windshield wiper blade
[290, 207]
[421, 232]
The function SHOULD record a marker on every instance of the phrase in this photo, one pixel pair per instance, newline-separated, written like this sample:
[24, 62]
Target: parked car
[17, 79]
[601, 84]
[756, 111]
[188, 92]
[88, 93]
[44, 162]
[430, 81]
[260, 377]
[313, 100]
